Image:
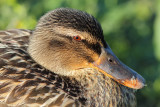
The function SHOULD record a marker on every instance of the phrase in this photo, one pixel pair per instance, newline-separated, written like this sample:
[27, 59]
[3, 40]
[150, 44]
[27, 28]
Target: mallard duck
[64, 62]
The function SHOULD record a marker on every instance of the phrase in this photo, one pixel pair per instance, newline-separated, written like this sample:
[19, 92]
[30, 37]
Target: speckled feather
[25, 83]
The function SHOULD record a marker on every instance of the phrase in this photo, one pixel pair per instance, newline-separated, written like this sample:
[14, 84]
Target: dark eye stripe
[95, 47]
[57, 43]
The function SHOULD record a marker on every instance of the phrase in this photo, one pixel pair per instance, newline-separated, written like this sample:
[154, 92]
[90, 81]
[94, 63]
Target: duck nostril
[110, 60]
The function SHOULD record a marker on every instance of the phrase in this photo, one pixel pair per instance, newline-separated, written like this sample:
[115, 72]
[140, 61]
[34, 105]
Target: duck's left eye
[77, 38]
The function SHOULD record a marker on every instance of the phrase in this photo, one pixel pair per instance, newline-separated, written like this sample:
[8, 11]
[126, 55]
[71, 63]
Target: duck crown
[73, 19]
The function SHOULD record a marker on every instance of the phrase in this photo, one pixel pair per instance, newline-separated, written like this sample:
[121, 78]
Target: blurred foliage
[131, 28]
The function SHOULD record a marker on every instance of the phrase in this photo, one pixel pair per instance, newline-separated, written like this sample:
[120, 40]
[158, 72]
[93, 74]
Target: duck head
[67, 42]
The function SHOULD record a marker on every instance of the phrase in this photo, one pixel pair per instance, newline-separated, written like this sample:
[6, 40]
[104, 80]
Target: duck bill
[111, 66]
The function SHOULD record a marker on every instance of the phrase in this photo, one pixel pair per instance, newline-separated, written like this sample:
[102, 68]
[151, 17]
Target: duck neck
[103, 91]
[93, 89]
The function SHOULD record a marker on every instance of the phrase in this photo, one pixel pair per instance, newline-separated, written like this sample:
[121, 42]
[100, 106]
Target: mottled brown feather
[25, 83]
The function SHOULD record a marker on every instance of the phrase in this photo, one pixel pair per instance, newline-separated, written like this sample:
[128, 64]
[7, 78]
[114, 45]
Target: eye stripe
[95, 47]
[57, 43]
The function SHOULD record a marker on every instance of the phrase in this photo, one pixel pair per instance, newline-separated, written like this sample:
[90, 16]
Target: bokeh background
[131, 28]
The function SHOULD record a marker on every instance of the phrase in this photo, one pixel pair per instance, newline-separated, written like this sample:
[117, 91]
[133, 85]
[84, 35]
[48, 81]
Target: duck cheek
[76, 63]
[79, 65]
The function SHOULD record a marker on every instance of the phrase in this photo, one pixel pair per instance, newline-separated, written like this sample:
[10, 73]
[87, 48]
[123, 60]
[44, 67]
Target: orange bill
[111, 66]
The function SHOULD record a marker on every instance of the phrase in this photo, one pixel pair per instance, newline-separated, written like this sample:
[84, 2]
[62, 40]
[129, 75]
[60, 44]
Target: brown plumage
[50, 66]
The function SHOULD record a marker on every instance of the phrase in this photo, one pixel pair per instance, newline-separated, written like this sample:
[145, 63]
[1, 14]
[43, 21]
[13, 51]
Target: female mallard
[65, 61]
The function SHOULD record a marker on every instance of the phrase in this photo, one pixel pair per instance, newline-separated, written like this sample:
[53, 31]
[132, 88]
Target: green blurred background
[131, 28]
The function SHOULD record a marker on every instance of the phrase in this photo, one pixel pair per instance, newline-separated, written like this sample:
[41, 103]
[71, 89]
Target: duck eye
[77, 38]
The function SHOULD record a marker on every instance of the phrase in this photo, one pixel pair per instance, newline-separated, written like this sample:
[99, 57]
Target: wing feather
[21, 79]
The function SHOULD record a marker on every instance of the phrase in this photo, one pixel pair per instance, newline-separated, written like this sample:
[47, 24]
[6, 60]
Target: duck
[64, 62]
